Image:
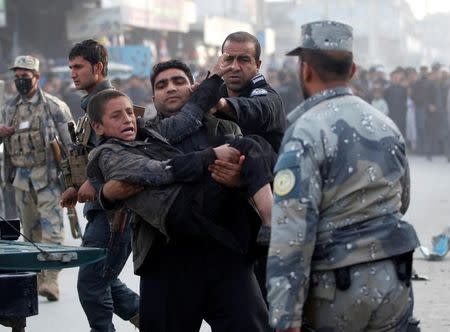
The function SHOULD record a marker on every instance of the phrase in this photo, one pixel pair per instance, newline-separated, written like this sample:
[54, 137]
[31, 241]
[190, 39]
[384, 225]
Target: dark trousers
[433, 131]
[100, 291]
[182, 285]
[421, 129]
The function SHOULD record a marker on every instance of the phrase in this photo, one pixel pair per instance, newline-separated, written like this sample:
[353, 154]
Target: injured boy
[169, 177]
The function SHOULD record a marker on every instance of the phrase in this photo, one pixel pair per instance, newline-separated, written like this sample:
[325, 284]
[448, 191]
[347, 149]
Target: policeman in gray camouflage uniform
[28, 123]
[340, 256]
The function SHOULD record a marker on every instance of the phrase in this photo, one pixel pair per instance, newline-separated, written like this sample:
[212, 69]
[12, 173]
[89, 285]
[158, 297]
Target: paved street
[429, 212]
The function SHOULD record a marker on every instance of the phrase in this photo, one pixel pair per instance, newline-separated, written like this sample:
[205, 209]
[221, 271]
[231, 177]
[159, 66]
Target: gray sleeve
[295, 216]
[135, 169]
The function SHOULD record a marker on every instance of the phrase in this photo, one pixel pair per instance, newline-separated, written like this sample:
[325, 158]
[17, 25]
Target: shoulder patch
[284, 182]
[258, 92]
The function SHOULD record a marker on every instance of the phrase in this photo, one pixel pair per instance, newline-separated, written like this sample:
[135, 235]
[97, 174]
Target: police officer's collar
[257, 81]
[105, 84]
[317, 99]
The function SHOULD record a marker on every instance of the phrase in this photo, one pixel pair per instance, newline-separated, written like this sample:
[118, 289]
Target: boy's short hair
[96, 106]
[92, 51]
[171, 64]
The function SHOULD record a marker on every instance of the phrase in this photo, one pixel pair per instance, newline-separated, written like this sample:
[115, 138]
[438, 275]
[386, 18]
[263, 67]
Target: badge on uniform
[284, 182]
[258, 92]
[24, 125]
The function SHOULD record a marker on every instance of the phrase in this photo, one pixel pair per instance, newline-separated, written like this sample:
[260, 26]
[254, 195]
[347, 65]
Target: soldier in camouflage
[28, 123]
[340, 256]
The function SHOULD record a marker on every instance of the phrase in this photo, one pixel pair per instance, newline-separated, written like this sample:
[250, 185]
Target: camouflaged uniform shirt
[341, 186]
[52, 115]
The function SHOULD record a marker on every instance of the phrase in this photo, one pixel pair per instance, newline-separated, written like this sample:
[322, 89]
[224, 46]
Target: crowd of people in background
[418, 101]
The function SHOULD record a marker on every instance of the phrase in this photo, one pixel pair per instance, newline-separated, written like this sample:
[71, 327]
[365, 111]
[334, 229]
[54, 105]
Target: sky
[421, 7]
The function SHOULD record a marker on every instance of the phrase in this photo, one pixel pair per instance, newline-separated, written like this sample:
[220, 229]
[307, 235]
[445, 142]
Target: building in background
[384, 30]
[140, 32]
[433, 31]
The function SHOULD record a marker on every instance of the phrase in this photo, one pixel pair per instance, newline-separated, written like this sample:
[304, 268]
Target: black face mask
[23, 85]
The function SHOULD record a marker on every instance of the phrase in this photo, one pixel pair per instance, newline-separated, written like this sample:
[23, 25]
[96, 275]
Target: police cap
[26, 62]
[325, 36]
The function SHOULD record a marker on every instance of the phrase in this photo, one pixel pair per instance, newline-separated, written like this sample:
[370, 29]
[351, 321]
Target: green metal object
[23, 256]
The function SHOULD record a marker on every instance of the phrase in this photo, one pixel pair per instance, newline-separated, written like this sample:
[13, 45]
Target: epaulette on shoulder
[258, 92]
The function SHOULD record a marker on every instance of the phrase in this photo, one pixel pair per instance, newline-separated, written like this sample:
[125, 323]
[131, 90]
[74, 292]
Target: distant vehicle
[115, 70]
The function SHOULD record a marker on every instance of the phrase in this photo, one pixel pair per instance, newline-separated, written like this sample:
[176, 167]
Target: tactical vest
[74, 167]
[27, 146]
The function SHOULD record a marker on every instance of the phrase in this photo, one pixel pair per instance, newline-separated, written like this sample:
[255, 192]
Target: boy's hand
[227, 153]
[222, 66]
[69, 198]
[115, 190]
[228, 174]
[86, 193]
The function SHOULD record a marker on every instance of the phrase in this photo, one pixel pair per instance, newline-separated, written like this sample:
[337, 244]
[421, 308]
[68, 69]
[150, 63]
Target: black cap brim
[295, 51]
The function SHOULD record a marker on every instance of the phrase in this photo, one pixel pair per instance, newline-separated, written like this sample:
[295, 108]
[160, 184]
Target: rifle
[75, 228]
[74, 166]
[138, 110]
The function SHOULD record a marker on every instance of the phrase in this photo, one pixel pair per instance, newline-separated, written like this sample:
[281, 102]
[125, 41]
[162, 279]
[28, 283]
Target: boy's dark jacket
[152, 206]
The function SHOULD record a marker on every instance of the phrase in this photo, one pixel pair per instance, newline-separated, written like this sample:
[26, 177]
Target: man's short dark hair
[244, 37]
[171, 64]
[92, 51]
[329, 65]
[96, 106]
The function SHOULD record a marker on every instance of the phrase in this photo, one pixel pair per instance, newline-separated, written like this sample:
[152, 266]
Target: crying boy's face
[118, 120]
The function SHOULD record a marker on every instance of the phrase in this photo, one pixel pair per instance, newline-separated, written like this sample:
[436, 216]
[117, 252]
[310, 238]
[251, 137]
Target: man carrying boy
[215, 277]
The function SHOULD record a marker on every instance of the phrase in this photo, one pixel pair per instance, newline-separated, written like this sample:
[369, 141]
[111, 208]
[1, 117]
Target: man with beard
[255, 106]
[217, 283]
[100, 291]
[28, 123]
[341, 188]
[419, 94]
[248, 99]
